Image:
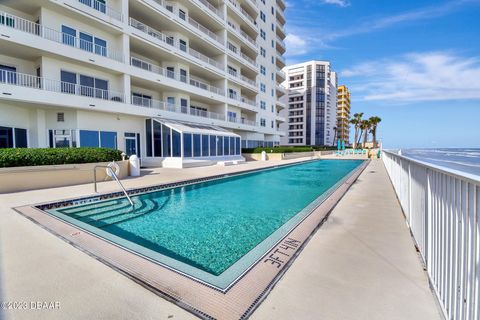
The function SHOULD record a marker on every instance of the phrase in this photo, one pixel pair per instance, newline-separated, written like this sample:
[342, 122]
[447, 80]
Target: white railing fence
[442, 207]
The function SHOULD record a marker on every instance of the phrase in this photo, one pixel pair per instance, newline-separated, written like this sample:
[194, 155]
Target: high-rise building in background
[343, 114]
[311, 104]
[133, 74]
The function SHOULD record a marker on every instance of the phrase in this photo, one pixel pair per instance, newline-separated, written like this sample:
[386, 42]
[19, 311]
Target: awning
[196, 128]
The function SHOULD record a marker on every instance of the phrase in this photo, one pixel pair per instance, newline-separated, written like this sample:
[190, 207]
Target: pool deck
[361, 264]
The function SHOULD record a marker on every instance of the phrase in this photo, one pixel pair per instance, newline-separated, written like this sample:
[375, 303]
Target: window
[6, 137]
[182, 14]
[69, 81]
[262, 70]
[148, 136]
[130, 143]
[226, 148]
[263, 52]
[140, 99]
[166, 143]
[263, 105]
[263, 34]
[237, 146]
[171, 72]
[89, 138]
[272, 124]
[232, 146]
[197, 151]
[157, 139]
[62, 138]
[262, 87]
[171, 101]
[86, 42]
[213, 146]
[183, 45]
[108, 139]
[205, 146]
[262, 122]
[184, 105]
[69, 36]
[232, 116]
[176, 144]
[262, 16]
[8, 74]
[232, 71]
[187, 145]
[100, 46]
[183, 75]
[232, 93]
[60, 117]
[219, 146]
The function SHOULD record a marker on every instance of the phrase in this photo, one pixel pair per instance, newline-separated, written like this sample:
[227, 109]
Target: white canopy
[195, 128]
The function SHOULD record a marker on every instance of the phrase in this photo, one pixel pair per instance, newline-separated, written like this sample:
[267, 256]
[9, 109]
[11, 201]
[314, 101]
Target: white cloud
[340, 3]
[431, 76]
[296, 45]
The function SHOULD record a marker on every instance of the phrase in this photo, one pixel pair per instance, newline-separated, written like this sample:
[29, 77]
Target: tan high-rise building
[343, 114]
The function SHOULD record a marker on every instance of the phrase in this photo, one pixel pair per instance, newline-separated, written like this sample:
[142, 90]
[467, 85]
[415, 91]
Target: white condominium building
[311, 104]
[161, 79]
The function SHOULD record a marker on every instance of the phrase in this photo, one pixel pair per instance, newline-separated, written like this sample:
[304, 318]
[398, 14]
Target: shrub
[20, 157]
[288, 149]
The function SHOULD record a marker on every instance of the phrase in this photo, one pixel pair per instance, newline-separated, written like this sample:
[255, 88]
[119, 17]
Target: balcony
[247, 81]
[165, 106]
[40, 83]
[242, 121]
[281, 61]
[242, 99]
[169, 42]
[193, 81]
[190, 22]
[242, 13]
[101, 7]
[211, 9]
[242, 57]
[281, 47]
[10, 21]
[243, 36]
[280, 16]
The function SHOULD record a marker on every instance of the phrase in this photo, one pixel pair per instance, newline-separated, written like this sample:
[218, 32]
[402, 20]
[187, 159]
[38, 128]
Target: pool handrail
[114, 176]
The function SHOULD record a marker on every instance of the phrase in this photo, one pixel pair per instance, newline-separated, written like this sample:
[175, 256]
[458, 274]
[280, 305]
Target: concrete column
[126, 48]
[41, 130]
[126, 87]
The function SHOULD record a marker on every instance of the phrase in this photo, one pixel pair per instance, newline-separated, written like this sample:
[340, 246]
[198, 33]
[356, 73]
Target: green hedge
[22, 157]
[290, 149]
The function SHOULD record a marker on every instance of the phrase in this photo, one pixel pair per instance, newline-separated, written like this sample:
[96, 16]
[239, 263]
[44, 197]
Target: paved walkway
[360, 265]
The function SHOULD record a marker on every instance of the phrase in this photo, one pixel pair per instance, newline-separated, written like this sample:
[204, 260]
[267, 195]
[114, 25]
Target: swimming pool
[213, 231]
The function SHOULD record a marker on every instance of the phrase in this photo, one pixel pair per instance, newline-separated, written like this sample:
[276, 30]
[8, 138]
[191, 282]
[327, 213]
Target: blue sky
[415, 64]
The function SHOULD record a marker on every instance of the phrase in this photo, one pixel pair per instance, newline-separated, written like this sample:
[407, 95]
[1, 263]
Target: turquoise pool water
[206, 228]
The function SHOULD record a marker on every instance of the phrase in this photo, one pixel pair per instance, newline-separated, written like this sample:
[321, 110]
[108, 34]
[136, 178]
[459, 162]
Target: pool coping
[204, 301]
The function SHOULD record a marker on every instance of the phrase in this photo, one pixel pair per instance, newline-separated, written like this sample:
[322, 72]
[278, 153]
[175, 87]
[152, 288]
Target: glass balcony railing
[103, 8]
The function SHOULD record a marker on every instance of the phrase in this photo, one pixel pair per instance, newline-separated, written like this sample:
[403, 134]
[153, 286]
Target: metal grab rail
[114, 176]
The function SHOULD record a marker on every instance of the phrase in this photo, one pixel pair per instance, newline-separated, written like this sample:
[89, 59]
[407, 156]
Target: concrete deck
[360, 265]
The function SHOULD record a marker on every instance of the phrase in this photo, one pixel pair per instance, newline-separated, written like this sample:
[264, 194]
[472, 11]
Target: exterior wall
[131, 29]
[311, 104]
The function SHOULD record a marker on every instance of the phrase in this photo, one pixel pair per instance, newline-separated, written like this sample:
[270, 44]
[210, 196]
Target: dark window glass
[86, 42]
[101, 89]
[237, 146]
[148, 136]
[8, 74]
[87, 85]
[205, 148]
[213, 146]
[232, 145]
[139, 151]
[20, 138]
[68, 36]
[130, 143]
[226, 149]
[167, 145]
[100, 46]
[88, 138]
[197, 151]
[176, 144]
[6, 137]
[219, 146]
[108, 139]
[69, 81]
[187, 145]
[157, 139]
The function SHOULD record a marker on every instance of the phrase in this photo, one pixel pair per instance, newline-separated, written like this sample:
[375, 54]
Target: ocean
[461, 159]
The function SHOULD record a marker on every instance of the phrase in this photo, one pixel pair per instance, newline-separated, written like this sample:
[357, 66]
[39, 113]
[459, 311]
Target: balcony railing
[243, 35]
[34, 82]
[163, 39]
[193, 81]
[165, 106]
[243, 78]
[36, 29]
[242, 56]
[243, 13]
[281, 42]
[209, 6]
[101, 7]
[441, 207]
[242, 121]
[190, 21]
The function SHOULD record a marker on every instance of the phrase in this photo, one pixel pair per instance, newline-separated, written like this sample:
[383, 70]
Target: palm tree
[374, 121]
[356, 120]
[364, 127]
